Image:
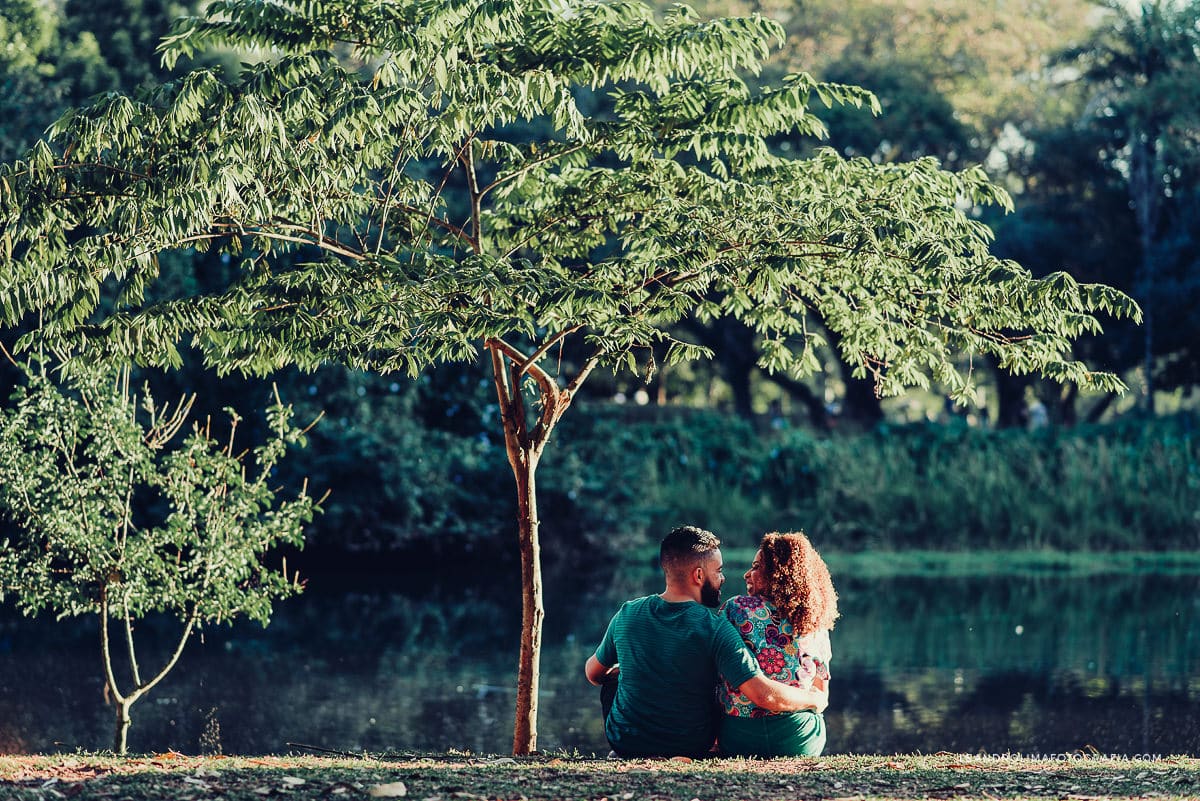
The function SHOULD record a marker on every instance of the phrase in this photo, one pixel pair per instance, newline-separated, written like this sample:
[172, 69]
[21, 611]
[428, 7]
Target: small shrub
[112, 515]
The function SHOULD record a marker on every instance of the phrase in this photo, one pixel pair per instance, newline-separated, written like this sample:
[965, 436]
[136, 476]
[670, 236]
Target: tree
[431, 220]
[75, 463]
[1073, 213]
[989, 58]
[27, 38]
[58, 53]
[1144, 71]
[957, 79]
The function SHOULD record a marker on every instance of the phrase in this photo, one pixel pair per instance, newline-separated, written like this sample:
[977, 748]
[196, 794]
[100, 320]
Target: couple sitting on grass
[678, 674]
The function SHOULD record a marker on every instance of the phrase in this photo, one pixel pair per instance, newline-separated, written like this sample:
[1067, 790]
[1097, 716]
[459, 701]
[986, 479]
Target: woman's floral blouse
[781, 655]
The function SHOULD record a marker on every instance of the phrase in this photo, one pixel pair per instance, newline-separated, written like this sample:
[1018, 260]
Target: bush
[1130, 485]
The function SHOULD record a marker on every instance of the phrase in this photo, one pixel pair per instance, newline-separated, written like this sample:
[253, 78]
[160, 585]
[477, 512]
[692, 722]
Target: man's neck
[674, 595]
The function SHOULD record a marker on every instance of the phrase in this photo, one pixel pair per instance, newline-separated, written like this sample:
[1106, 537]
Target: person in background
[784, 619]
[661, 657]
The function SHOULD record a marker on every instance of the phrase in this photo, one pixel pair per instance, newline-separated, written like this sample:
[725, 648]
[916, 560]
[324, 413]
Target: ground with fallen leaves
[463, 777]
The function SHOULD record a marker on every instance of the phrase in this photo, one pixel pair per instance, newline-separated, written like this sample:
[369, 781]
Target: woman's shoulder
[745, 602]
[740, 607]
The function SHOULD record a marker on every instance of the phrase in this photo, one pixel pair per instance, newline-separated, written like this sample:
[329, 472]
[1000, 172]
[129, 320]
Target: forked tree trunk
[524, 440]
[524, 448]
[124, 701]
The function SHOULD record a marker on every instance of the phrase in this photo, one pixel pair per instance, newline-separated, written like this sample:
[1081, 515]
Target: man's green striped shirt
[670, 656]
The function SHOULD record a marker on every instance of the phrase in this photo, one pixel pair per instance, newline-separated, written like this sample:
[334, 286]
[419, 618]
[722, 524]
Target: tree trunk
[1010, 397]
[121, 730]
[524, 447]
[532, 609]
[124, 702]
[1097, 411]
[814, 405]
[1144, 191]
[860, 404]
[734, 344]
[1068, 412]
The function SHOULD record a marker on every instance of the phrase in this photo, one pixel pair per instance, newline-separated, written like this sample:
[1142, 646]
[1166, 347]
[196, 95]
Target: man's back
[670, 655]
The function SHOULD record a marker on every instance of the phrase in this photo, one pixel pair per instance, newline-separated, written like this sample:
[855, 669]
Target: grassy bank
[962, 564]
[883, 564]
[172, 776]
[1130, 486]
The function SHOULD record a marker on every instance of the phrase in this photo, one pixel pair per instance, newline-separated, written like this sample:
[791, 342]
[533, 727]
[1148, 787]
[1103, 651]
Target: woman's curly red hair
[798, 583]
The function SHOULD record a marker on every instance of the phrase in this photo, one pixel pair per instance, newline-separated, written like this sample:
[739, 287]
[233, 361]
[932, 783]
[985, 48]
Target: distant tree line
[1052, 106]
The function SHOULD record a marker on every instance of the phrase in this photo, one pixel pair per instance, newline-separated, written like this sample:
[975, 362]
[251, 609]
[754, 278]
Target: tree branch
[509, 395]
[582, 375]
[439, 222]
[387, 200]
[193, 616]
[105, 654]
[317, 240]
[133, 663]
[544, 379]
[8, 356]
[532, 165]
[91, 165]
[549, 343]
[441, 186]
[467, 154]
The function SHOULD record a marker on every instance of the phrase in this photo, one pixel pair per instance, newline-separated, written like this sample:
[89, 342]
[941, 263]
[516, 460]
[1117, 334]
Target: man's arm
[735, 660]
[595, 670]
[775, 696]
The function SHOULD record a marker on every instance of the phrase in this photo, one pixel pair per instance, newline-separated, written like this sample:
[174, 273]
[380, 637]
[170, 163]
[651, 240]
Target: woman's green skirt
[785, 734]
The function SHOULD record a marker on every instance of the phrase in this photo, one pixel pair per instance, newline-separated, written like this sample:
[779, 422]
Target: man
[668, 650]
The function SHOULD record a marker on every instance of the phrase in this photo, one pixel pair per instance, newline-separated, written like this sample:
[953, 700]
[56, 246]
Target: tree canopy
[663, 203]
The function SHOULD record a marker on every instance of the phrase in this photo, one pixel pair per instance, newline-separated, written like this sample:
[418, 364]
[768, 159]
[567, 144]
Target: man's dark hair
[686, 546]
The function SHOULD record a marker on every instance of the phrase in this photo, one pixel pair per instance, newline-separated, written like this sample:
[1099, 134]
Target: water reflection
[996, 664]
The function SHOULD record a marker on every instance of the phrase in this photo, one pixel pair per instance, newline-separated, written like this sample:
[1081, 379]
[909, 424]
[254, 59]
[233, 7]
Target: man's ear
[698, 575]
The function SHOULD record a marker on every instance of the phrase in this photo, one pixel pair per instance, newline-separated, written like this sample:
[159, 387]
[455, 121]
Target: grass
[950, 564]
[466, 777]
[882, 564]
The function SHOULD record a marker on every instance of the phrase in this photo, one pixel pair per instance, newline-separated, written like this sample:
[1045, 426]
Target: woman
[784, 619]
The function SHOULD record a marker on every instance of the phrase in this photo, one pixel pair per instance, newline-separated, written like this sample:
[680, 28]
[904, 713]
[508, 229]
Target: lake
[1029, 664]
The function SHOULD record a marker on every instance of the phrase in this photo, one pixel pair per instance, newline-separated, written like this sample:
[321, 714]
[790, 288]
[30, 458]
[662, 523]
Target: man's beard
[710, 595]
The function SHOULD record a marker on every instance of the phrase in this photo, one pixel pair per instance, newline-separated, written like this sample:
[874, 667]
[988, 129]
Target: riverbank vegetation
[464, 776]
[1133, 485]
[619, 477]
